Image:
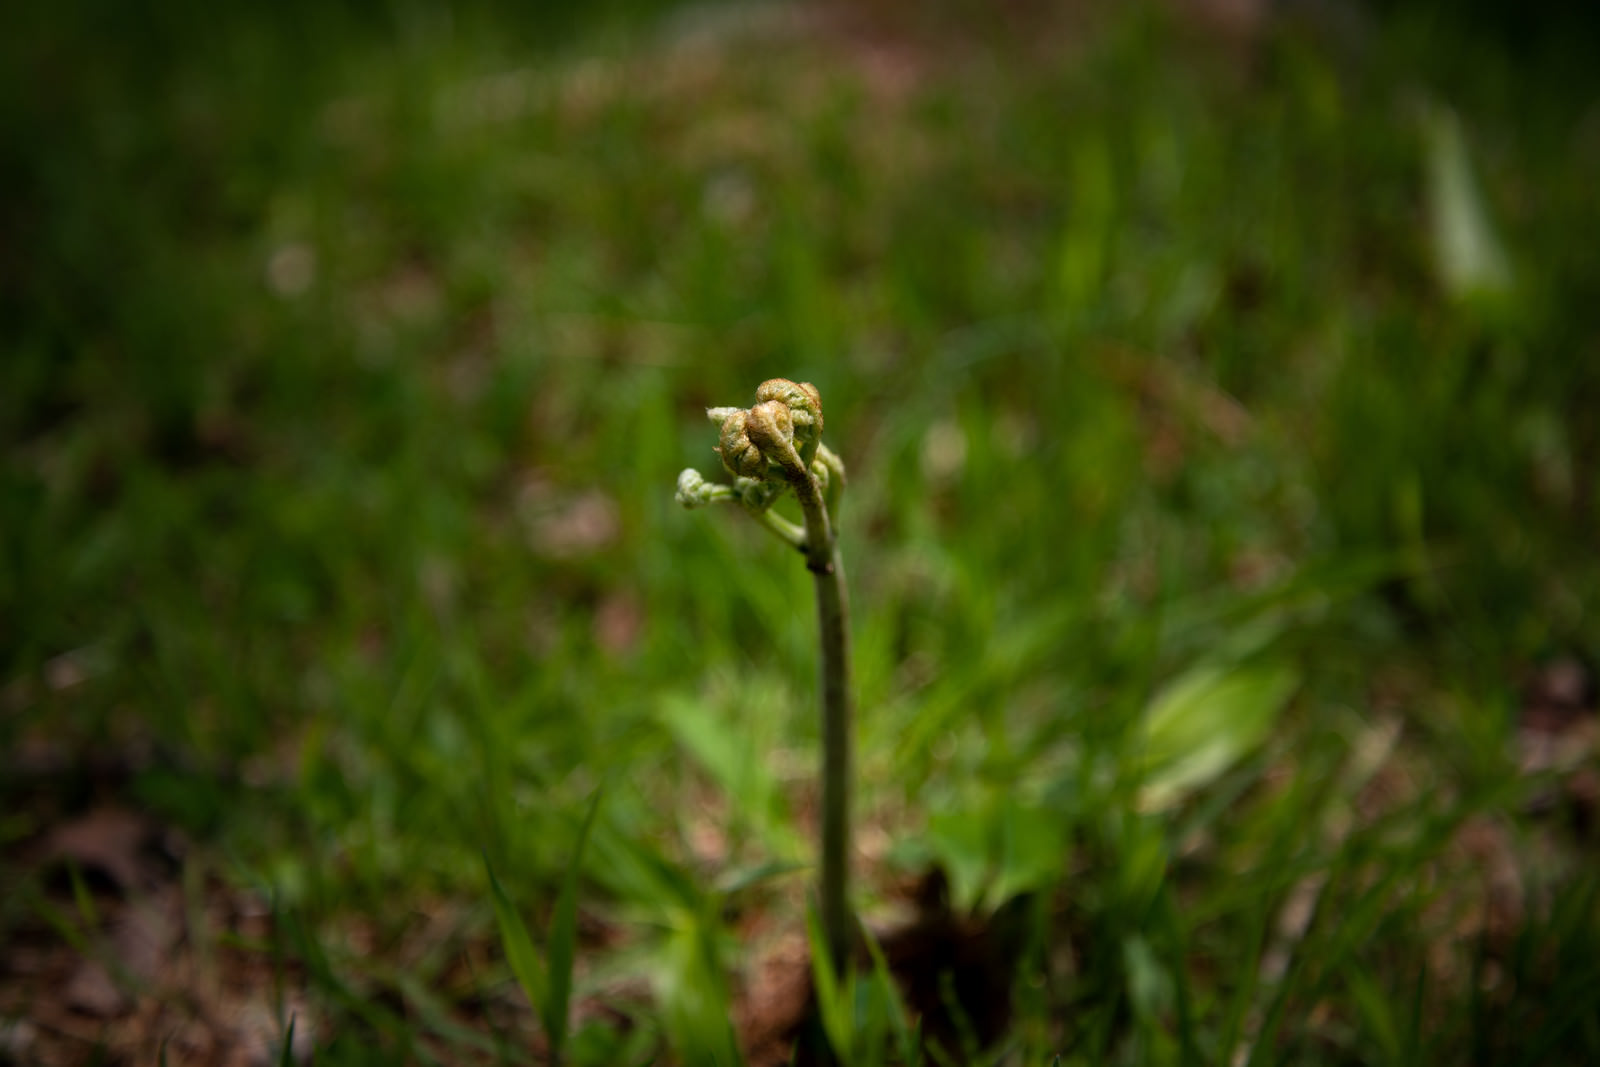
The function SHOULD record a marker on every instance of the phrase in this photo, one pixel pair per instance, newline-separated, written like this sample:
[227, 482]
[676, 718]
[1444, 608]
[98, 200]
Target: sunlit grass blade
[564, 942]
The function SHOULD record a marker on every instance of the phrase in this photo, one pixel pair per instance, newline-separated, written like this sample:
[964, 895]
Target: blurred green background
[1218, 393]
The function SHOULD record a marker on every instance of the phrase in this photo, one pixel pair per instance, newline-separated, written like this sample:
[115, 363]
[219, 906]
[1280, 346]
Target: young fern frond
[772, 448]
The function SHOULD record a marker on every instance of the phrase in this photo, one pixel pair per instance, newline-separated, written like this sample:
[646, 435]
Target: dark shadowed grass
[1204, 537]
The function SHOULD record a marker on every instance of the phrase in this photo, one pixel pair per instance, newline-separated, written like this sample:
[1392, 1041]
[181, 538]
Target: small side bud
[819, 471]
[693, 490]
[828, 458]
[756, 496]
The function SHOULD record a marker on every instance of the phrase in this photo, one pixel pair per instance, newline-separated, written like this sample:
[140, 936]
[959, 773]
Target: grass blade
[286, 1055]
[520, 953]
[836, 995]
[908, 1042]
[564, 942]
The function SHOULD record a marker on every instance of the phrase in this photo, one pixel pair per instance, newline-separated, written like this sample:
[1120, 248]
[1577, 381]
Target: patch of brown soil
[113, 961]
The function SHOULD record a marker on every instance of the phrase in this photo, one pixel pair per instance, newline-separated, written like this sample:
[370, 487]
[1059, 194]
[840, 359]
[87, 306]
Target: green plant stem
[833, 625]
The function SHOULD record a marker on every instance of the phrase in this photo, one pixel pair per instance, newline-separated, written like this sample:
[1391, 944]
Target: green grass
[351, 356]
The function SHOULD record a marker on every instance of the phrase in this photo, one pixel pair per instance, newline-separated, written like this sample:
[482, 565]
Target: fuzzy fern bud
[804, 404]
[739, 454]
[772, 448]
[770, 428]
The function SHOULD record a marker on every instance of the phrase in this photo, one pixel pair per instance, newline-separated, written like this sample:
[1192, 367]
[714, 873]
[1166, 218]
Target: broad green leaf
[960, 839]
[1204, 722]
[520, 953]
[1033, 849]
[994, 847]
[564, 941]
